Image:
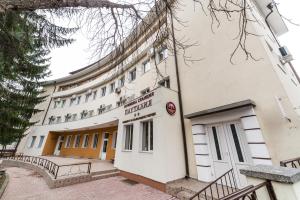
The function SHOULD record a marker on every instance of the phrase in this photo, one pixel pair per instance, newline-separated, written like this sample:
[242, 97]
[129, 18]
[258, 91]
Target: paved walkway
[27, 185]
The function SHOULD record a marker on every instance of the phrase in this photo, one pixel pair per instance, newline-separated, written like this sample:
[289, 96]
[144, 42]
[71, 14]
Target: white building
[121, 109]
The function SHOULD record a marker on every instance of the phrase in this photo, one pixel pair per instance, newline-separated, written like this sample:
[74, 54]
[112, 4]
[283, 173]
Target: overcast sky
[78, 54]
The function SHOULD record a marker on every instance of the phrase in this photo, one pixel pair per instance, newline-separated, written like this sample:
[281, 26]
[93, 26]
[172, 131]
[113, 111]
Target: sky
[79, 54]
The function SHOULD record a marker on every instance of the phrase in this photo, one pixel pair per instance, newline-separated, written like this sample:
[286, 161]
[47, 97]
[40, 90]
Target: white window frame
[75, 141]
[122, 81]
[78, 100]
[92, 145]
[164, 82]
[112, 87]
[103, 91]
[164, 52]
[85, 136]
[68, 141]
[130, 138]
[94, 94]
[142, 134]
[42, 138]
[32, 142]
[63, 103]
[146, 66]
[130, 75]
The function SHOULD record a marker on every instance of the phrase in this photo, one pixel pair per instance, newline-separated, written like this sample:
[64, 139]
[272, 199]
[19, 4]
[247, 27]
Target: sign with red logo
[171, 108]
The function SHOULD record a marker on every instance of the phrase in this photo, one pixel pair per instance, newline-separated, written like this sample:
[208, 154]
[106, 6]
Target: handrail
[51, 167]
[251, 192]
[294, 163]
[226, 183]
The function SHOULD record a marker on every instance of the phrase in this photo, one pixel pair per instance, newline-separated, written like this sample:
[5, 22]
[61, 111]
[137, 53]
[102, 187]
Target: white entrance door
[229, 149]
[59, 144]
[104, 146]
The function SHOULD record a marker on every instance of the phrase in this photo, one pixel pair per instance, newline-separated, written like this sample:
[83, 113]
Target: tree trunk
[22, 5]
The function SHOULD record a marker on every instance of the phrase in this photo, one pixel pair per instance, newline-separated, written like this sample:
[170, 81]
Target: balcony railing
[55, 170]
[294, 163]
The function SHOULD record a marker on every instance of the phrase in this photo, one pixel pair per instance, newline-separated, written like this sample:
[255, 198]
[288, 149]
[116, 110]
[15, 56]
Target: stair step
[106, 175]
[184, 195]
[104, 172]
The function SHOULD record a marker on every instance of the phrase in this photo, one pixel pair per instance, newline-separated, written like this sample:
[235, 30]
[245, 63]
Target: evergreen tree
[25, 40]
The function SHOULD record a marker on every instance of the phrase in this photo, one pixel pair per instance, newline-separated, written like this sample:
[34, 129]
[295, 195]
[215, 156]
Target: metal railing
[294, 163]
[219, 188]
[251, 193]
[52, 168]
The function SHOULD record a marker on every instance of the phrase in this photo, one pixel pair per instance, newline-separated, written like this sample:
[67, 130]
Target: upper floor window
[94, 94]
[122, 81]
[56, 103]
[165, 82]
[128, 137]
[132, 75]
[42, 137]
[147, 136]
[63, 103]
[87, 96]
[146, 66]
[33, 138]
[72, 101]
[162, 54]
[112, 87]
[78, 100]
[58, 119]
[103, 91]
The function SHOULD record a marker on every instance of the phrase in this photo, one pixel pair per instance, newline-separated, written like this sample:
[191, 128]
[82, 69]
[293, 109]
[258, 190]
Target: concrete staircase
[104, 174]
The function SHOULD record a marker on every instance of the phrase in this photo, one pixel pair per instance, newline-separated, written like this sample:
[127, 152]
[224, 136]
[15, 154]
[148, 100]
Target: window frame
[131, 73]
[150, 136]
[85, 139]
[145, 64]
[112, 87]
[103, 91]
[130, 146]
[75, 145]
[41, 141]
[93, 142]
[68, 141]
[32, 142]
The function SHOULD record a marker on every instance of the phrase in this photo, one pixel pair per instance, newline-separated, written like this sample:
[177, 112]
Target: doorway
[229, 149]
[59, 144]
[104, 146]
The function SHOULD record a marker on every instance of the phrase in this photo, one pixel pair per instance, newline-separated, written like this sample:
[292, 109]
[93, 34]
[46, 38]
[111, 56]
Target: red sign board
[171, 108]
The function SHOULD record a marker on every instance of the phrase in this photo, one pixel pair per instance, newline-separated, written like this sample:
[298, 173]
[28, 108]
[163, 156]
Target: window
[68, 141]
[128, 137]
[237, 143]
[146, 66]
[94, 94]
[114, 142]
[63, 103]
[132, 75]
[58, 119]
[87, 96]
[68, 117]
[122, 81]
[77, 141]
[145, 91]
[56, 103]
[147, 136]
[165, 82]
[103, 91]
[91, 113]
[78, 100]
[216, 139]
[162, 54]
[33, 138]
[51, 120]
[42, 137]
[72, 101]
[85, 142]
[112, 87]
[95, 140]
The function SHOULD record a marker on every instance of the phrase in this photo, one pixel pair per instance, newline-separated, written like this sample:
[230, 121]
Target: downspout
[180, 100]
[49, 104]
[270, 6]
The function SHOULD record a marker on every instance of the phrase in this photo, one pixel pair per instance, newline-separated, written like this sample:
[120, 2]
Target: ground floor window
[85, 142]
[42, 137]
[77, 141]
[68, 141]
[128, 137]
[95, 140]
[114, 142]
[147, 135]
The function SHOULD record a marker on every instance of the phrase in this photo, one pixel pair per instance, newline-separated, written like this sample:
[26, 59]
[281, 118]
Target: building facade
[129, 107]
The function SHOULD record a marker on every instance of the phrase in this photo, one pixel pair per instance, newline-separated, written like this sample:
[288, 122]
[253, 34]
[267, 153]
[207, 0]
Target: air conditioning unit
[286, 55]
[118, 90]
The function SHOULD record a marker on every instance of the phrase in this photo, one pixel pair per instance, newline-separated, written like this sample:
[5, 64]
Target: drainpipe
[270, 6]
[180, 100]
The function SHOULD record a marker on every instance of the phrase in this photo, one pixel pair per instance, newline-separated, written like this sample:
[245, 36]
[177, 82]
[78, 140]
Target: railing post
[56, 172]
[271, 190]
[89, 167]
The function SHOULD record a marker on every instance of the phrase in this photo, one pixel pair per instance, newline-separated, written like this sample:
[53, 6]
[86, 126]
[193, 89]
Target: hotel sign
[139, 103]
[171, 108]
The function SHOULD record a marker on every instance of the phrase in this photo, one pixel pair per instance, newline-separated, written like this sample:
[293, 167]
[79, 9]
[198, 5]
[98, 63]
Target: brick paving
[27, 185]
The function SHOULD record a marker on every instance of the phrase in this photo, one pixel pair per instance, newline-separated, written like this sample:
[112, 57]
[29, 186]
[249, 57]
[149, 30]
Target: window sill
[149, 152]
[124, 150]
